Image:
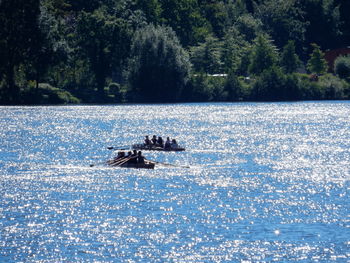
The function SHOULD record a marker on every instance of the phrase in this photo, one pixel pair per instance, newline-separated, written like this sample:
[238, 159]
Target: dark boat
[156, 148]
[126, 164]
[146, 165]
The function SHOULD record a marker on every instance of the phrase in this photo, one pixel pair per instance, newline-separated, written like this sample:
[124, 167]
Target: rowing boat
[124, 162]
[145, 165]
[145, 147]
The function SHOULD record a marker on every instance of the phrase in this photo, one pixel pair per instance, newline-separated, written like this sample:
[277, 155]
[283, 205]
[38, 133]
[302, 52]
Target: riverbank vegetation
[117, 51]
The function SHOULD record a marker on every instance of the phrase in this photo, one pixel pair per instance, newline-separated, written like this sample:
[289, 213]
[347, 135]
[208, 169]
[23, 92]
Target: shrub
[46, 94]
[217, 86]
[342, 67]
[115, 92]
[270, 85]
[333, 87]
[309, 90]
[292, 87]
[234, 88]
[203, 88]
[198, 89]
[328, 87]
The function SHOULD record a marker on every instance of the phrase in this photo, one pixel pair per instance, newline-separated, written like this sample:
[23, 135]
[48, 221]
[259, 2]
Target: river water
[268, 182]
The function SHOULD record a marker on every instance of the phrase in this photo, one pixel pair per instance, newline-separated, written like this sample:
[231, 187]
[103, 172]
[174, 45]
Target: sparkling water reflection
[268, 182]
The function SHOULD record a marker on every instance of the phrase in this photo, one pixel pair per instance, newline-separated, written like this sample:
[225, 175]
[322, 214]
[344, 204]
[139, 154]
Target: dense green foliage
[342, 67]
[317, 63]
[110, 51]
[159, 66]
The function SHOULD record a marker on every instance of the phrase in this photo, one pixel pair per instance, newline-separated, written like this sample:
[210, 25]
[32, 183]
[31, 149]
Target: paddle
[168, 164]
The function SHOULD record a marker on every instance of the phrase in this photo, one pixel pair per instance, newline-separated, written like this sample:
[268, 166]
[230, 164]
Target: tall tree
[282, 20]
[249, 5]
[289, 59]
[18, 37]
[184, 17]
[207, 56]
[344, 7]
[51, 46]
[323, 22]
[104, 40]
[317, 63]
[159, 66]
[233, 49]
[152, 10]
[217, 15]
[264, 55]
[248, 26]
[83, 5]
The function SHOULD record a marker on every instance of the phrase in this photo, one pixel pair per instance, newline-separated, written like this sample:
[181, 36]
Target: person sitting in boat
[154, 140]
[116, 158]
[119, 156]
[174, 144]
[133, 157]
[167, 144]
[160, 142]
[140, 157]
[147, 141]
[129, 155]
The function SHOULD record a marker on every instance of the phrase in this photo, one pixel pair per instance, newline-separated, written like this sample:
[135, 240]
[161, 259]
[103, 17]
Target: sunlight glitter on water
[267, 182]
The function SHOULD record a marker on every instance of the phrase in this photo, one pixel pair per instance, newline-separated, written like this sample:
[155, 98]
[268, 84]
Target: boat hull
[143, 147]
[138, 165]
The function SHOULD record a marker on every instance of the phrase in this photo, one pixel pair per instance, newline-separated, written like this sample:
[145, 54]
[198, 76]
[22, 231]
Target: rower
[160, 142]
[117, 159]
[147, 141]
[174, 144]
[119, 155]
[133, 157]
[140, 158]
[154, 140]
[167, 143]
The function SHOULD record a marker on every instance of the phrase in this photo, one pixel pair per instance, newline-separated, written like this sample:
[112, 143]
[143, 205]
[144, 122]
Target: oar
[93, 164]
[112, 162]
[122, 161]
[116, 162]
[122, 148]
[168, 164]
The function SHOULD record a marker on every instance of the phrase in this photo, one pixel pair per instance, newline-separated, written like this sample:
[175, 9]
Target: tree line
[112, 51]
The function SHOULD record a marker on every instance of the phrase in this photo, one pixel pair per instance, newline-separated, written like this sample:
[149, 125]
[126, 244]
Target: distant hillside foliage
[119, 51]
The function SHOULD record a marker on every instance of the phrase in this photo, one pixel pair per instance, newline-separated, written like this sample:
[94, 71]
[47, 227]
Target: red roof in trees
[332, 55]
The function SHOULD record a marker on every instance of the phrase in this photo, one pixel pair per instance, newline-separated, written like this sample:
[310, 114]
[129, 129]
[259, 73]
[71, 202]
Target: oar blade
[120, 148]
[169, 164]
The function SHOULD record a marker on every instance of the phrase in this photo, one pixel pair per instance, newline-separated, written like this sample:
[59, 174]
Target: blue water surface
[268, 182]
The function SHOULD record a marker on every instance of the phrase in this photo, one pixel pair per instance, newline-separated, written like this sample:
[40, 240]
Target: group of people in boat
[134, 157]
[159, 142]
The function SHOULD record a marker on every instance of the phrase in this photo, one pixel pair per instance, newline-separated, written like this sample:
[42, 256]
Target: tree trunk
[100, 74]
[13, 90]
[37, 76]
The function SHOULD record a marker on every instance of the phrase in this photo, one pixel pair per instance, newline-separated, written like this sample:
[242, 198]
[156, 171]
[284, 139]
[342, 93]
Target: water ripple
[267, 182]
